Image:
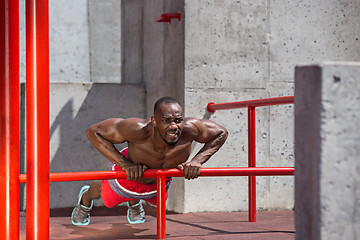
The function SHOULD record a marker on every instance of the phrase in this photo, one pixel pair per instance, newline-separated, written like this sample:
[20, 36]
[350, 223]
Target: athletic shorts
[116, 191]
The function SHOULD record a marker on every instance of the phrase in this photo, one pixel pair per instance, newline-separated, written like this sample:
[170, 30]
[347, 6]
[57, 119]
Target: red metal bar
[37, 116]
[252, 162]
[166, 17]
[9, 120]
[153, 173]
[212, 107]
[161, 206]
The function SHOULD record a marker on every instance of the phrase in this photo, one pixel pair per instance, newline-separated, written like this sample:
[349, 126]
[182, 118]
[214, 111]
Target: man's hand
[191, 169]
[134, 171]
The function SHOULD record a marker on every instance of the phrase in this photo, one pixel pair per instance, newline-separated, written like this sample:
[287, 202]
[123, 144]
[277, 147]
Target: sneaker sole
[134, 222]
[78, 224]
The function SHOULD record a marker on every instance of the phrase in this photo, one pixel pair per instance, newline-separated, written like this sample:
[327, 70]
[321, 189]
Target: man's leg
[91, 194]
[81, 213]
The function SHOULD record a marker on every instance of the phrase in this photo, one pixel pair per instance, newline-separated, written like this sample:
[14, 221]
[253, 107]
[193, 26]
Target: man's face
[169, 121]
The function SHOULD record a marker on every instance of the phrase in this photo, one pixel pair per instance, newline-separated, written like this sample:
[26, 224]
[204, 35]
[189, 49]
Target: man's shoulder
[191, 122]
[135, 129]
[191, 126]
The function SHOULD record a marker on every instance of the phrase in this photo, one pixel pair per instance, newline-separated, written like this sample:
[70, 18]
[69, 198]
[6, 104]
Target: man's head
[168, 119]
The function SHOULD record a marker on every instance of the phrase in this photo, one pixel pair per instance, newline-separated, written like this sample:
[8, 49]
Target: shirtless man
[162, 142]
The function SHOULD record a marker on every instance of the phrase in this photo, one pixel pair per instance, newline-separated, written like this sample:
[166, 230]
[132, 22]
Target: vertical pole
[9, 120]
[252, 163]
[161, 207]
[37, 115]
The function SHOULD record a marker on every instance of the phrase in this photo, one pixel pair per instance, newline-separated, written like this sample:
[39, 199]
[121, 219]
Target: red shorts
[116, 191]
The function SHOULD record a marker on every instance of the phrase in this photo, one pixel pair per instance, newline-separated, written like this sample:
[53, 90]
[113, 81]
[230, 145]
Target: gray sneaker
[136, 213]
[81, 214]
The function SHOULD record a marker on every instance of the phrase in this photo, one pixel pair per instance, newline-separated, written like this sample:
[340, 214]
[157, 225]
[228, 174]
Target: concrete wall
[238, 50]
[327, 131]
[220, 51]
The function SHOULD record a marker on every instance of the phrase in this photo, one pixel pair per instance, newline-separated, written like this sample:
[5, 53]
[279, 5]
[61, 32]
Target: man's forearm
[106, 148]
[210, 148]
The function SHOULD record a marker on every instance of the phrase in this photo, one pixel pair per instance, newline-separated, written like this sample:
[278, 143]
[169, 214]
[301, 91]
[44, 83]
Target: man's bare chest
[146, 154]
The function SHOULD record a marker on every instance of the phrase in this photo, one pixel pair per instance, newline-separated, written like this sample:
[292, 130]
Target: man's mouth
[173, 134]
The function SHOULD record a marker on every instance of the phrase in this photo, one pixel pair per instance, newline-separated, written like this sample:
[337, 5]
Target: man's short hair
[166, 100]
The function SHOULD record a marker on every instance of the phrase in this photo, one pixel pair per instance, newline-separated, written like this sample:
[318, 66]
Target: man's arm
[112, 131]
[210, 133]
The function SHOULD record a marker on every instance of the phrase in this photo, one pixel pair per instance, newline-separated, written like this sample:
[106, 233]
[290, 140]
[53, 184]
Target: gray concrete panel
[327, 139]
[225, 44]
[69, 41]
[105, 40]
[163, 52]
[132, 37]
[308, 32]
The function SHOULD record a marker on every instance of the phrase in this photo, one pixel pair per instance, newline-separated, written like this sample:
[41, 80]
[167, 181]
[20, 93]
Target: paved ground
[107, 224]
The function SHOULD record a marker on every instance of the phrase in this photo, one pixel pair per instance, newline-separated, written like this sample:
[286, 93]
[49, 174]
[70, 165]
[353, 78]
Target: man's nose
[173, 126]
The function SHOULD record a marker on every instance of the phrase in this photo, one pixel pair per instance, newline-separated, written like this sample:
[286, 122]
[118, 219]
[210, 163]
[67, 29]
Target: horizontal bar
[153, 173]
[212, 107]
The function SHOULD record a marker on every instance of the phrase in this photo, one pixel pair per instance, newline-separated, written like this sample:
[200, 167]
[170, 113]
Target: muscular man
[162, 142]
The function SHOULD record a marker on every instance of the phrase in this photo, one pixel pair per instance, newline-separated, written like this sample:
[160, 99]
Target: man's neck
[160, 145]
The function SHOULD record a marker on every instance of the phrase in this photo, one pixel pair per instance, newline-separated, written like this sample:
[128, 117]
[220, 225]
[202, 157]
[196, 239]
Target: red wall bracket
[166, 17]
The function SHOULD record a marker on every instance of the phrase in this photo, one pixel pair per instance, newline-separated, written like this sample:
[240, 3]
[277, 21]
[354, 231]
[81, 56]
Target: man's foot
[81, 214]
[136, 213]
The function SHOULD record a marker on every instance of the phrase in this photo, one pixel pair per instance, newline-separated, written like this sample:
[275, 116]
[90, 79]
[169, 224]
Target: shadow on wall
[73, 108]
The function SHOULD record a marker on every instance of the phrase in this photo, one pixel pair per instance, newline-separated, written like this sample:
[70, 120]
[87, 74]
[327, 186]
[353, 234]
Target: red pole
[9, 120]
[37, 115]
[252, 163]
[161, 206]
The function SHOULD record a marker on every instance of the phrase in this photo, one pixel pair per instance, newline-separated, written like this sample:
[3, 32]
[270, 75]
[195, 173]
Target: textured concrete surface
[271, 225]
[220, 51]
[233, 48]
[327, 151]
[105, 40]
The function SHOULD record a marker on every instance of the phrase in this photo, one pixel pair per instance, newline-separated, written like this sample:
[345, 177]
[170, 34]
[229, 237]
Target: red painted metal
[37, 116]
[154, 173]
[212, 107]
[9, 120]
[161, 206]
[252, 162]
[166, 17]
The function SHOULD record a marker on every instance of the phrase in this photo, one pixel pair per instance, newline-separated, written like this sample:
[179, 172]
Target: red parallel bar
[153, 173]
[37, 115]
[161, 206]
[252, 162]
[160, 175]
[9, 120]
[212, 107]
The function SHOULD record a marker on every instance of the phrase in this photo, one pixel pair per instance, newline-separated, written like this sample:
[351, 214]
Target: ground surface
[270, 225]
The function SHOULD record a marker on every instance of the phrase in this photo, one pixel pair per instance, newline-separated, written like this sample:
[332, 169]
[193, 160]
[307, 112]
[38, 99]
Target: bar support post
[37, 119]
[9, 120]
[161, 206]
[252, 163]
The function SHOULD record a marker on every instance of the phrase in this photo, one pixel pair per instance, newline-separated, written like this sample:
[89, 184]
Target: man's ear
[153, 121]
